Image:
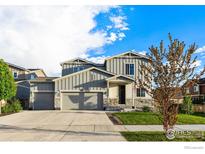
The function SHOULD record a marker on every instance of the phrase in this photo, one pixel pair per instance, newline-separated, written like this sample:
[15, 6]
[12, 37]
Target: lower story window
[140, 92]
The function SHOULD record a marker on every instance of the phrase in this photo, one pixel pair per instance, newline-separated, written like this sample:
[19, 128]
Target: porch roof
[120, 79]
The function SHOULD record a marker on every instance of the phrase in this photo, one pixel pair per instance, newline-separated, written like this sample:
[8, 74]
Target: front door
[122, 94]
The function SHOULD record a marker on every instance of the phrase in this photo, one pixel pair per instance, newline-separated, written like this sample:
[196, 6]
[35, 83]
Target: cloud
[142, 52]
[119, 22]
[200, 50]
[98, 59]
[113, 37]
[45, 36]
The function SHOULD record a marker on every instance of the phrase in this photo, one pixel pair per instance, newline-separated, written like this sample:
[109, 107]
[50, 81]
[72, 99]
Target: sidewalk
[159, 127]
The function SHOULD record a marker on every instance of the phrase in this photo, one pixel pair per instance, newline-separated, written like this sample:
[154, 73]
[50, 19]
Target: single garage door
[43, 101]
[82, 100]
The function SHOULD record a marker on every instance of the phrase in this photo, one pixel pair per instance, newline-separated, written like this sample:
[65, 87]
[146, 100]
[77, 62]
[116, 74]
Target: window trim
[15, 72]
[139, 91]
[129, 64]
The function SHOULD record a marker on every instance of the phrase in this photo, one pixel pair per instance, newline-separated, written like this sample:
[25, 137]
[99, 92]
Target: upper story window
[15, 75]
[129, 69]
[32, 77]
[140, 92]
[196, 88]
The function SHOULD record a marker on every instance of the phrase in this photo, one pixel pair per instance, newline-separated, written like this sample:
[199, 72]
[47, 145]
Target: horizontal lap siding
[83, 80]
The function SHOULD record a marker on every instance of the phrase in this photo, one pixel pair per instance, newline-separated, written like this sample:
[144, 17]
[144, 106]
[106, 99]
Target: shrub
[186, 107]
[146, 109]
[12, 106]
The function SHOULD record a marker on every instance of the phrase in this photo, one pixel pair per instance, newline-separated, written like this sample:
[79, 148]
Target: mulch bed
[115, 120]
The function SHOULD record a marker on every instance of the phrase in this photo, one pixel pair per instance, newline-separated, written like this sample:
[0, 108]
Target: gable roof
[81, 59]
[37, 69]
[128, 52]
[16, 66]
[116, 76]
[85, 70]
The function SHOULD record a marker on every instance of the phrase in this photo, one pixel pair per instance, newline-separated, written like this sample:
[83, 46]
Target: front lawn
[160, 136]
[149, 118]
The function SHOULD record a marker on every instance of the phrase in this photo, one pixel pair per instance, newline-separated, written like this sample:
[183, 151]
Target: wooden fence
[199, 108]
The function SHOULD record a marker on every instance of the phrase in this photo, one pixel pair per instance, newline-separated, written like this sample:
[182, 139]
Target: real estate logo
[170, 134]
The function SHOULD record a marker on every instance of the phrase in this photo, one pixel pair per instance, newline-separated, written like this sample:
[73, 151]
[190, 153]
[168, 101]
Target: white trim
[84, 60]
[129, 72]
[132, 52]
[116, 76]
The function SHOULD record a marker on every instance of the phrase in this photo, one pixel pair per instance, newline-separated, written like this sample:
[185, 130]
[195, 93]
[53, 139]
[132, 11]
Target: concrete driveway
[58, 126]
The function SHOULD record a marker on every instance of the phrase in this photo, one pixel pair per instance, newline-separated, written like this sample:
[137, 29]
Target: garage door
[43, 101]
[82, 100]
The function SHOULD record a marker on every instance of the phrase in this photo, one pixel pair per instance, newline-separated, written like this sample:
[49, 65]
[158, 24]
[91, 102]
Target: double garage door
[43, 101]
[82, 100]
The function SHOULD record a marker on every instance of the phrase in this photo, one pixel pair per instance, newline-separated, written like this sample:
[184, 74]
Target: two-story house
[21, 73]
[27, 79]
[196, 91]
[87, 85]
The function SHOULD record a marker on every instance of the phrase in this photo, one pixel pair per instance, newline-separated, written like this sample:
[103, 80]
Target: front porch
[120, 92]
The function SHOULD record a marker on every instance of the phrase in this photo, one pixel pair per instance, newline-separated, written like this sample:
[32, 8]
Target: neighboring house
[196, 91]
[26, 79]
[37, 94]
[20, 73]
[87, 85]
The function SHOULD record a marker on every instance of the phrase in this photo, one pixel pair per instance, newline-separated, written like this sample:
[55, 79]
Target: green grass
[158, 136]
[148, 118]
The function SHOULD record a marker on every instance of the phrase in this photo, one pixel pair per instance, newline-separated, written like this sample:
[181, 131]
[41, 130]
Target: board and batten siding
[68, 68]
[116, 65]
[87, 80]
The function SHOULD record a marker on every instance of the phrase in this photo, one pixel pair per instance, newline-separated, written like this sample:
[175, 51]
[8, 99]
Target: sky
[45, 36]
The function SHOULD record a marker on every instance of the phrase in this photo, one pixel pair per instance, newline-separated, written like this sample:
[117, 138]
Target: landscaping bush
[146, 109]
[12, 106]
[186, 107]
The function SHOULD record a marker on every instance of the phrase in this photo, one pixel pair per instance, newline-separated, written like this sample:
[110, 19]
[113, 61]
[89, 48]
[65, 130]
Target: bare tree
[165, 75]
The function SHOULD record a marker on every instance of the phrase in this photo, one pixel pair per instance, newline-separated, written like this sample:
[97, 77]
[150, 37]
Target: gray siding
[87, 80]
[117, 65]
[23, 90]
[68, 68]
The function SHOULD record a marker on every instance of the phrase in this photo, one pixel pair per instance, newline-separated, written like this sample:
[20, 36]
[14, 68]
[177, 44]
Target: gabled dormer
[77, 64]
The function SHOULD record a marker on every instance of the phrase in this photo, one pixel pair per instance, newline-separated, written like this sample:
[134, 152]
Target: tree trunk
[165, 116]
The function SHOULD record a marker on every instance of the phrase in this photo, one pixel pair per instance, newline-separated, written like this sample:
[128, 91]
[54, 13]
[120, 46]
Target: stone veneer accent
[139, 103]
